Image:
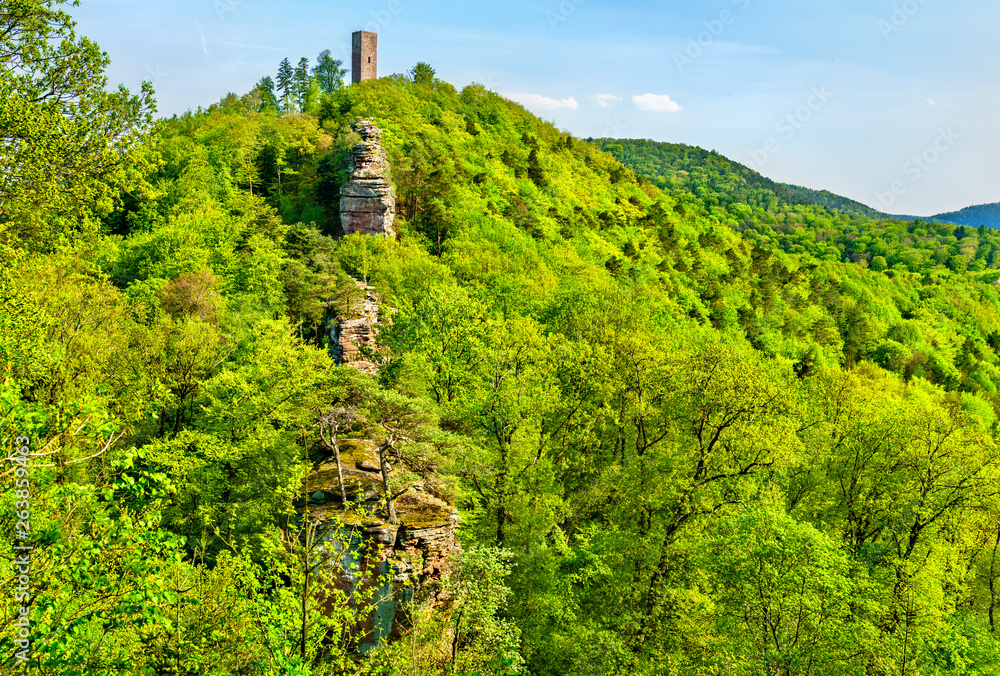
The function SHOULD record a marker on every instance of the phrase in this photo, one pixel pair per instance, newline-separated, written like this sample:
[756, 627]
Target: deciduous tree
[69, 146]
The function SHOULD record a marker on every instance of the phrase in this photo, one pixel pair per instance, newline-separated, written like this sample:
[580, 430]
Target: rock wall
[391, 560]
[355, 334]
[368, 200]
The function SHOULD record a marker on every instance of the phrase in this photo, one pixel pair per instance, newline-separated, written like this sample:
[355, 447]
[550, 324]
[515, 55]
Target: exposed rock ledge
[368, 200]
[390, 560]
[416, 553]
[354, 336]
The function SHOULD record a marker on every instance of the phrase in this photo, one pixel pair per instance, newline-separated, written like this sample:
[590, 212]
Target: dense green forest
[694, 425]
[800, 220]
[982, 214]
[675, 165]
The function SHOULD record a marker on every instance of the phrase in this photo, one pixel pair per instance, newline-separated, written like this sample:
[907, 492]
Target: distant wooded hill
[982, 214]
[679, 166]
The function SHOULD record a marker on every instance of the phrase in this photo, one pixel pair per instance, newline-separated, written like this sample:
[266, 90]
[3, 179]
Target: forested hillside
[983, 214]
[708, 174]
[675, 165]
[824, 225]
[698, 428]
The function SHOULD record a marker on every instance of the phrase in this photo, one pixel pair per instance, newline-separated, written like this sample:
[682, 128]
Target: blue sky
[890, 102]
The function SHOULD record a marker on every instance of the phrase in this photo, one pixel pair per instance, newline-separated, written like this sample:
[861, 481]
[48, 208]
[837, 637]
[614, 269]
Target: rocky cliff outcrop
[368, 200]
[365, 553]
[354, 335]
[391, 560]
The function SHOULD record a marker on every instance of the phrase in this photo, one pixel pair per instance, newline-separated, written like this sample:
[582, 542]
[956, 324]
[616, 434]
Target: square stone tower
[364, 57]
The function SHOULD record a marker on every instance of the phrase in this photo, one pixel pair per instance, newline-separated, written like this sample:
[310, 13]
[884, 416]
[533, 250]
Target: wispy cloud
[607, 100]
[539, 102]
[204, 44]
[657, 103]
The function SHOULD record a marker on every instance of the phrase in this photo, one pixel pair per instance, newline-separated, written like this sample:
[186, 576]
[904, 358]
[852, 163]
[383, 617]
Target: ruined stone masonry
[364, 56]
[368, 200]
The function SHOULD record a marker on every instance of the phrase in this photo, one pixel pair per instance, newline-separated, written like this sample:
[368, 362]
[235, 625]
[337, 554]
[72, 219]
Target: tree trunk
[993, 591]
[390, 505]
[305, 590]
[501, 492]
[501, 524]
[332, 444]
[340, 469]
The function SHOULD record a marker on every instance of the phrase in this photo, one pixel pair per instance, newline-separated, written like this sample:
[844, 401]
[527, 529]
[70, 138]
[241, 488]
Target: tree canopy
[68, 146]
[692, 425]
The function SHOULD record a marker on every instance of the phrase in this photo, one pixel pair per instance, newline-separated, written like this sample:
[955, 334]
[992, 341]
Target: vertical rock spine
[368, 200]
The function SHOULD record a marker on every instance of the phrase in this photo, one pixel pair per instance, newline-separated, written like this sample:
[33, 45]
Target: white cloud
[606, 100]
[539, 102]
[930, 102]
[657, 103]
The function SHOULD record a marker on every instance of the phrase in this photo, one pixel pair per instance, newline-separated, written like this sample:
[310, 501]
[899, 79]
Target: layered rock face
[355, 334]
[368, 200]
[391, 560]
[366, 555]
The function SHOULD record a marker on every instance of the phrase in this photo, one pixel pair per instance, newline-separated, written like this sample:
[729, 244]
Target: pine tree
[264, 97]
[285, 81]
[301, 82]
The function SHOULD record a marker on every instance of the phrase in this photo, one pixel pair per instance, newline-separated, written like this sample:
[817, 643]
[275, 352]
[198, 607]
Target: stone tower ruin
[364, 57]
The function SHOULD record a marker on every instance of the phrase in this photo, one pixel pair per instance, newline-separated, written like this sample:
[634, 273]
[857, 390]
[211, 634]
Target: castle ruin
[364, 57]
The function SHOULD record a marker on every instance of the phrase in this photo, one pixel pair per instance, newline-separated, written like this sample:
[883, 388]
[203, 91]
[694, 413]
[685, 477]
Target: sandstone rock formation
[365, 554]
[393, 561]
[368, 200]
[355, 334]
